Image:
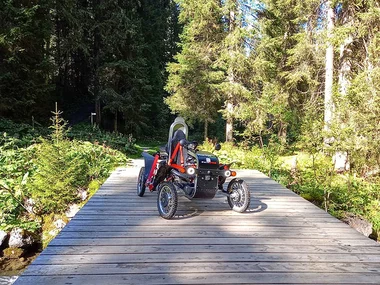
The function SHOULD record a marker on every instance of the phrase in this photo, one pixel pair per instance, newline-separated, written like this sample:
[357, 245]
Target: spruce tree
[123, 72]
[354, 126]
[25, 65]
[53, 185]
[285, 64]
[194, 79]
[234, 59]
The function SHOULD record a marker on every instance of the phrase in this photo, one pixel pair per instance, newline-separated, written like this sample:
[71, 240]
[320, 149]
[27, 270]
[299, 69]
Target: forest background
[290, 85]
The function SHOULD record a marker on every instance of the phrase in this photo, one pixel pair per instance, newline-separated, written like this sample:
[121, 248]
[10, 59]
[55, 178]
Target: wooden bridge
[118, 238]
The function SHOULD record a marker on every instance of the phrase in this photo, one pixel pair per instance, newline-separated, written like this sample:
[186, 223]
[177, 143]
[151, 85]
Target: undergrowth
[311, 176]
[41, 176]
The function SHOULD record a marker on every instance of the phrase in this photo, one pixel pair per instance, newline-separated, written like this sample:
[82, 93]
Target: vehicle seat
[177, 137]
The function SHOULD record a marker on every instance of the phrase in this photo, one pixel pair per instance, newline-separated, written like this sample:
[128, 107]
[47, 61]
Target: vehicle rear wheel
[141, 182]
[167, 200]
[240, 197]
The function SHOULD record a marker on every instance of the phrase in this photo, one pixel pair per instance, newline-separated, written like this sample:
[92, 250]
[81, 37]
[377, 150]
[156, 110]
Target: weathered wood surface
[118, 238]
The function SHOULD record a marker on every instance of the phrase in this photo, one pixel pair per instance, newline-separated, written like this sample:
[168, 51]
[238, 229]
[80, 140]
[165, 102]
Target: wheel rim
[237, 195]
[166, 200]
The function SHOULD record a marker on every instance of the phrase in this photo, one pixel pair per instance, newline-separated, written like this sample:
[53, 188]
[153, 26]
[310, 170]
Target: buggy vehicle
[198, 174]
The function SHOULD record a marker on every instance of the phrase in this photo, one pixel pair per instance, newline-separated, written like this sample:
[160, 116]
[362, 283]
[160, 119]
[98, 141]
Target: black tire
[141, 182]
[167, 200]
[240, 197]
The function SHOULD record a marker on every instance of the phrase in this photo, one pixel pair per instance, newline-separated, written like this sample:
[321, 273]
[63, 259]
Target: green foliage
[93, 134]
[313, 177]
[95, 161]
[49, 172]
[49, 230]
[63, 166]
[19, 134]
[16, 164]
[255, 158]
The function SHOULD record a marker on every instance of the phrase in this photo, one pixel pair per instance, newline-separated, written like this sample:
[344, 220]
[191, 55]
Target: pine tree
[123, 72]
[194, 79]
[235, 60]
[25, 65]
[354, 126]
[285, 66]
[160, 34]
[53, 185]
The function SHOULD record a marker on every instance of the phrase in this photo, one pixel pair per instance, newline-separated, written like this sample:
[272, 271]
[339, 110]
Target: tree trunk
[369, 67]
[282, 132]
[341, 157]
[206, 130]
[329, 105]
[345, 67]
[229, 123]
[58, 58]
[115, 123]
[231, 80]
[98, 111]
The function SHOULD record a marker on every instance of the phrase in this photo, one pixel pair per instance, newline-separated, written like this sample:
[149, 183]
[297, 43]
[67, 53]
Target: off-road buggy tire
[141, 182]
[167, 200]
[240, 196]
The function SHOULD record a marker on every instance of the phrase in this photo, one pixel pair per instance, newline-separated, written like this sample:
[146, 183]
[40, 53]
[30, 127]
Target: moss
[13, 253]
[94, 186]
[49, 230]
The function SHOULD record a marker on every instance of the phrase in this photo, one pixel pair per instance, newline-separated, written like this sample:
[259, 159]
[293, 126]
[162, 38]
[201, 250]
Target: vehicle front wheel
[167, 200]
[141, 182]
[239, 196]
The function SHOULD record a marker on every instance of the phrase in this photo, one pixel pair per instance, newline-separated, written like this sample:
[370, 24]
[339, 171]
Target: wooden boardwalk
[118, 238]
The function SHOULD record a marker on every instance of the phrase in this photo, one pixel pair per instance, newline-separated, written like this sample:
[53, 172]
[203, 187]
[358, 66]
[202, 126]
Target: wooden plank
[222, 248]
[201, 229]
[206, 278]
[222, 218]
[186, 205]
[192, 220]
[149, 196]
[201, 267]
[208, 241]
[154, 212]
[223, 207]
[204, 257]
[203, 234]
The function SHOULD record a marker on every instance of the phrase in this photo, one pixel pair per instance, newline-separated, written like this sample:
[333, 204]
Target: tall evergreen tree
[72, 48]
[160, 33]
[195, 78]
[285, 66]
[124, 83]
[234, 57]
[25, 65]
[355, 125]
